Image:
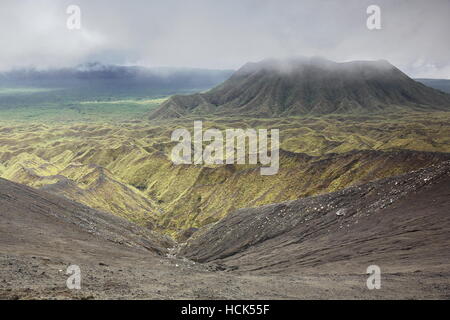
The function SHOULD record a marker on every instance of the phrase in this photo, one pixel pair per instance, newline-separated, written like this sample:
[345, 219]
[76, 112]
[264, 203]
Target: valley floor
[138, 276]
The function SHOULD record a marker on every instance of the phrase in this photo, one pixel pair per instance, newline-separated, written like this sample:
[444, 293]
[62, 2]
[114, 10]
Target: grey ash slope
[400, 223]
[302, 86]
[36, 218]
[41, 234]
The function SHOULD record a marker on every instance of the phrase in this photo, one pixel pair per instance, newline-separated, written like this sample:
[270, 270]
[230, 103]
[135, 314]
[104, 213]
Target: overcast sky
[224, 34]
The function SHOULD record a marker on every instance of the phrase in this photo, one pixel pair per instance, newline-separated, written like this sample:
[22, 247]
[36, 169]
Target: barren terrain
[86, 178]
[401, 224]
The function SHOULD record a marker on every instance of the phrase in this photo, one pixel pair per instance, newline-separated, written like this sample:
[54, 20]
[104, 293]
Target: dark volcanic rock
[402, 223]
[47, 216]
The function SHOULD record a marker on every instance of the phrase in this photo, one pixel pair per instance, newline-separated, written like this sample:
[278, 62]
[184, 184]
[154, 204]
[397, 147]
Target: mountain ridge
[400, 222]
[273, 88]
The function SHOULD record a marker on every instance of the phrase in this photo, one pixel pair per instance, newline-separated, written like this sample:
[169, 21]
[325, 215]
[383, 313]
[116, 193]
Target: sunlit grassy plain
[108, 155]
[22, 90]
[89, 110]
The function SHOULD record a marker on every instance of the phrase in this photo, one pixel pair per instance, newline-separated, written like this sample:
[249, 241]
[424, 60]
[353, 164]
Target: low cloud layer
[224, 34]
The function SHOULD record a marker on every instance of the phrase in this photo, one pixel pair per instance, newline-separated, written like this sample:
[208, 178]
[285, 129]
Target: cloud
[224, 34]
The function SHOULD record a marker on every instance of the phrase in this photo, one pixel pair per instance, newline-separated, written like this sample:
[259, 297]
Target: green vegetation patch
[83, 111]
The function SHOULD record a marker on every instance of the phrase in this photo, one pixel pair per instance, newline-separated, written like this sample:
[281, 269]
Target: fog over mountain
[95, 73]
[97, 81]
[225, 35]
[301, 86]
[314, 139]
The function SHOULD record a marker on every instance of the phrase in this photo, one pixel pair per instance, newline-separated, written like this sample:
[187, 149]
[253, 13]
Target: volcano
[302, 86]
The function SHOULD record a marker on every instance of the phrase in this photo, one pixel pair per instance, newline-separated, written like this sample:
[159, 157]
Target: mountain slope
[196, 197]
[274, 88]
[38, 214]
[400, 223]
[319, 155]
[41, 235]
[91, 185]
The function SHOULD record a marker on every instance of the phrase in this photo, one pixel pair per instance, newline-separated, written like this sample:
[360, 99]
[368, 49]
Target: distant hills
[308, 86]
[95, 81]
[264, 89]
[112, 75]
[440, 84]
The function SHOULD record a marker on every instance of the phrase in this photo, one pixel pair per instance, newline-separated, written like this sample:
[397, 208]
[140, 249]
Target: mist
[224, 35]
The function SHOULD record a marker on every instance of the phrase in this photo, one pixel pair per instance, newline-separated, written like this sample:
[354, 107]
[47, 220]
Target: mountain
[401, 224]
[128, 76]
[96, 73]
[439, 84]
[95, 81]
[300, 86]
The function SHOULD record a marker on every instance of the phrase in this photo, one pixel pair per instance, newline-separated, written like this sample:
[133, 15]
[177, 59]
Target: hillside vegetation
[315, 86]
[124, 167]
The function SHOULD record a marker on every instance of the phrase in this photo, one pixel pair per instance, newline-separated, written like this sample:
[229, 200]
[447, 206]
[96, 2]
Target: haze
[224, 35]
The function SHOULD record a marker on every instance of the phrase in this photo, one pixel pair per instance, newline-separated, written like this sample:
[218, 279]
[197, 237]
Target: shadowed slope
[400, 223]
[39, 216]
[195, 197]
[41, 235]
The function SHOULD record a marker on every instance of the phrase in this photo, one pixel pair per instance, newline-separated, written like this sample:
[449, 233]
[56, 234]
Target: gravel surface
[316, 247]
